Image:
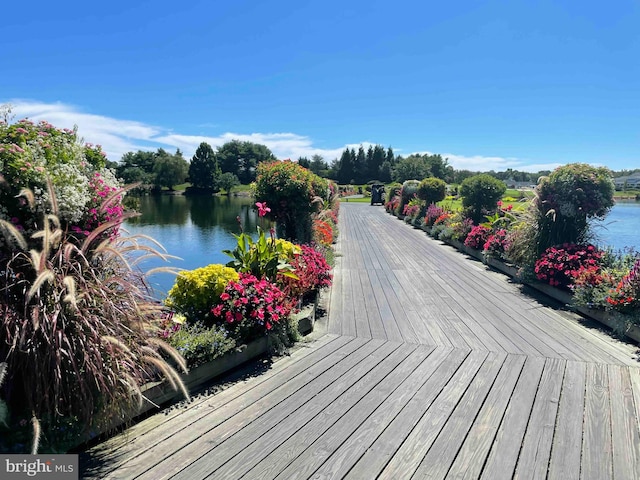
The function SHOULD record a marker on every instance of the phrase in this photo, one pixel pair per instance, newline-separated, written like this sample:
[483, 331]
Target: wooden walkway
[432, 367]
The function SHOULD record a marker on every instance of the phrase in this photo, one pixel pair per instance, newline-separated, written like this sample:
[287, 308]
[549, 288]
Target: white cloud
[481, 163]
[120, 136]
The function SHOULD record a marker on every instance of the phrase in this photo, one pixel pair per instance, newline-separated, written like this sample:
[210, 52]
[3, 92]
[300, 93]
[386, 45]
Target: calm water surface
[197, 229]
[621, 228]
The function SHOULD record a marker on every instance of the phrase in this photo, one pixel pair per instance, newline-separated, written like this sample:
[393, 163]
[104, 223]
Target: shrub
[40, 158]
[432, 214]
[407, 192]
[432, 190]
[293, 193]
[626, 295]
[567, 199]
[392, 191]
[312, 270]
[477, 237]
[480, 195]
[196, 290]
[322, 232]
[199, 344]
[558, 266]
[497, 243]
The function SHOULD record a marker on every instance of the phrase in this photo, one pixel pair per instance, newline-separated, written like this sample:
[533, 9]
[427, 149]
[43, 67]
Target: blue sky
[488, 84]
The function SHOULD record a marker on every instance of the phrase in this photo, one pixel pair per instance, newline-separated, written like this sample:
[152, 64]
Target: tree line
[209, 170]
[236, 161]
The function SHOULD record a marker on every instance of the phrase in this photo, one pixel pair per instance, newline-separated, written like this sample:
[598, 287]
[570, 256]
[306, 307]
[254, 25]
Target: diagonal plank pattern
[432, 367]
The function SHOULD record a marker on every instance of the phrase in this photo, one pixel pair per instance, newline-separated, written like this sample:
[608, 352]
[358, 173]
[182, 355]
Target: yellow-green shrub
[197, 291]
[288, 248]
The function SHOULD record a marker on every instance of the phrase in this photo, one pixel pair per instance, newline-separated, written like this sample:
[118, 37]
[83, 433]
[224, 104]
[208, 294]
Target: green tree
[432, 190]
[304, 162]
[169, 170]
[136, 167]
[318, 165]
[480, 195]
[345, 168]
[412, 167]
[203, 169]
[227, 181]
[242, 158]
[360, 167]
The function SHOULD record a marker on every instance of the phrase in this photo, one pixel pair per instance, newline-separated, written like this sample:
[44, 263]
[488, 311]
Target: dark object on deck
[377, 194]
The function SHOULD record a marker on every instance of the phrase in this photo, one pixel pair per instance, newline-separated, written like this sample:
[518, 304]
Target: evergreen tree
[360, 170]
[204, 170]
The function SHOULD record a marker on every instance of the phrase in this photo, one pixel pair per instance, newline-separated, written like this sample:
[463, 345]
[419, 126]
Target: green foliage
[227, 181]
[203, 169]
[567, 200]
[432, 190]
[242, 159]
[199, 344]
[480, 195]
[264, 258]
[392, 189]
[293, 194]
[414, 166]
[195, 291]
[169, 169]
[407, 192]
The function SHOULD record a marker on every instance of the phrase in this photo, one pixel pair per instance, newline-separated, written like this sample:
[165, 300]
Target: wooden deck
[432, 366]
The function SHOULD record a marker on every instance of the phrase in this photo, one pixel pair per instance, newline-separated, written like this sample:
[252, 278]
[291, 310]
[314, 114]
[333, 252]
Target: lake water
[197, 229]
[621, 228]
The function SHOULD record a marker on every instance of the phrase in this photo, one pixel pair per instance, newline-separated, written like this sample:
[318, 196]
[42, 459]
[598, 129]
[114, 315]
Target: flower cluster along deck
[432, 366]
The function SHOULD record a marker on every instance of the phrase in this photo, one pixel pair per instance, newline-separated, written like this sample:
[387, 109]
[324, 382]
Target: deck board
[432, 366]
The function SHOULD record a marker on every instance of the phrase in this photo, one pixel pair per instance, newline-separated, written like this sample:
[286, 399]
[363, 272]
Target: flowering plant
[264, 257]
[496, 244]
[40, 160]
[252, 304]
[477, 237]
[625, 296]
[322, 232]
[433, 213]
[312, 270]
[558, 266]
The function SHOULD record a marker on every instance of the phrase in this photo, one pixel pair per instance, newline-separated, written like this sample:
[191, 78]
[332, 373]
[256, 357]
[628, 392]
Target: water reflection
[196, 229]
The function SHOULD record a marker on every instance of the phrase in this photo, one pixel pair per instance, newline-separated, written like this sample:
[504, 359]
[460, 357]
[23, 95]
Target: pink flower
[262, 208]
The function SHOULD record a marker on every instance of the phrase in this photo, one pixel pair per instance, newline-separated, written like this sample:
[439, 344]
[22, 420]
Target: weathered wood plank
[533, 462]
[567, 444]
[203, 459]
[385, 446]
[283, 440]
[506, 447]
[333, 455]
[156, 429]
[414, 447]
[340, 418]
[596, 442]
[624, 428]
[244, 409]
[441, 455]
[471, 457]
